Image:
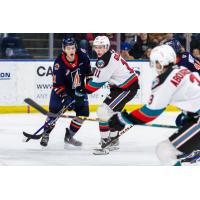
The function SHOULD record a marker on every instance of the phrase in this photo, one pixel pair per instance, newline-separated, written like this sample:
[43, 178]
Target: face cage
[153, 65]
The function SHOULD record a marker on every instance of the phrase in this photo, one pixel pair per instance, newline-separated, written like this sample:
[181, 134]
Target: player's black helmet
[175, 44]
[68, 42]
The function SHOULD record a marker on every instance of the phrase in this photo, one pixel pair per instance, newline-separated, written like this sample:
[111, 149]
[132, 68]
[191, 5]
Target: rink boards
[33, 78]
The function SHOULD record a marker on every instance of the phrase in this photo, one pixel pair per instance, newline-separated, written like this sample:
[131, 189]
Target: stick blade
[30, 136]
[35, 105]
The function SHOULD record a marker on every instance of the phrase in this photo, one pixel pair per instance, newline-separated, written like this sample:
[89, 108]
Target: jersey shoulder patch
[104, 60]
[57, 63]
[100, 63]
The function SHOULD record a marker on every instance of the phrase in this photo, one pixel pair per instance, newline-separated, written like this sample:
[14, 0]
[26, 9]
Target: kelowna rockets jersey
[111, 68]
[187, 60]
[67, 76]
[178, 86]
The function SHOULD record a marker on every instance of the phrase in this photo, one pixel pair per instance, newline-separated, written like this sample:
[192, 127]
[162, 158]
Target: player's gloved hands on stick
[66, 100]
[79, 94]
[118, 121]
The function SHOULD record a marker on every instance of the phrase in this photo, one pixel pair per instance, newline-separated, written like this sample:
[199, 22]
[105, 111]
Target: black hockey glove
[186, 117]
[79, 94]
[118, 121]
[66, 100]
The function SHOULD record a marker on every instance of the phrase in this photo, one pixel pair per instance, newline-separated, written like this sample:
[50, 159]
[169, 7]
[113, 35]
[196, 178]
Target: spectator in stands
[196, 53]
[181, 38]
[142, 44]
[147, 53]
[169, 36]
[195, 41]
[130, 38]
[113, 40]
[177, 36]
[156, 37]
[125, 48]
[90, 38]
[12, 47]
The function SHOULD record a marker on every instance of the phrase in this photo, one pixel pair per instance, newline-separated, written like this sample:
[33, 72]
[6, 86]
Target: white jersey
[179, 87]
[114, 70]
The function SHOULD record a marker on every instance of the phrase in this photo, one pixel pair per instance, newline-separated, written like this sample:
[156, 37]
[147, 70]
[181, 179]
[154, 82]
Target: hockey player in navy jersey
[70, 70]
[184, 58]
[111, 68]
[175, 85]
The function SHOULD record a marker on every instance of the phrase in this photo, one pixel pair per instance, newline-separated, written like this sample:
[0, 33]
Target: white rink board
[21, 79]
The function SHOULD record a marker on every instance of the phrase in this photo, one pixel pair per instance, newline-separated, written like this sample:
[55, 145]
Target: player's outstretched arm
[140, 116]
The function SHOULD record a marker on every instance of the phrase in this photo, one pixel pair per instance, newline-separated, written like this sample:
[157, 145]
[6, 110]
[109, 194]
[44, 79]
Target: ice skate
[45, 139]
[71, 140]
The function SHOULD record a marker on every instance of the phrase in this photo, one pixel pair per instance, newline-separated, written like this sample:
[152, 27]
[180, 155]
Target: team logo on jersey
[57, 66]
[76, 81]
[100, 63]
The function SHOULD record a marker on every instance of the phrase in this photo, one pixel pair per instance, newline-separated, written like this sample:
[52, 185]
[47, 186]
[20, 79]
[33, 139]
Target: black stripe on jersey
[134, 120]
[161, 78]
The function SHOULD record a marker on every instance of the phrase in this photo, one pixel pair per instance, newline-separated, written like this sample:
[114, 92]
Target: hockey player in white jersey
[111, 68]
[174, 85]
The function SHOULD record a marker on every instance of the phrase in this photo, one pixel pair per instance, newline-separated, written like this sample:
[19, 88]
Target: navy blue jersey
[67, 76]
[187, 60]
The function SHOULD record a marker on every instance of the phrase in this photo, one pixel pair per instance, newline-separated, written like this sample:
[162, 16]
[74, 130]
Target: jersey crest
[100, 63]
[76, 81]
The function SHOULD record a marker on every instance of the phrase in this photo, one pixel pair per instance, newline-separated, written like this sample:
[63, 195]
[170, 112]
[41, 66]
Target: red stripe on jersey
[59, 89]
[90, 88]
[75, 125]
[104, 127]
[135, 78]
[141, 116]
[70, 65]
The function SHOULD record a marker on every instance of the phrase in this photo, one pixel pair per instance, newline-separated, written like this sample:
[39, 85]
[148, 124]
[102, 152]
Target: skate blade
[72, 147]
[113, 148]
[44, 148]
[100, 152]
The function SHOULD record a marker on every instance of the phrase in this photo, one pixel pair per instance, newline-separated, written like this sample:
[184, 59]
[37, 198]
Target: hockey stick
[103, 150]
[49, 114]
[34, 136]
[37, 136]
[36, 106]
[151, 125]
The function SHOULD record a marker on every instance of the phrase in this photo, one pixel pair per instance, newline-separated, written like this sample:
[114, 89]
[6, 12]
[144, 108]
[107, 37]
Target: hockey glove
[66, 100]
[118, 121]
[186, 117]
[79, 94]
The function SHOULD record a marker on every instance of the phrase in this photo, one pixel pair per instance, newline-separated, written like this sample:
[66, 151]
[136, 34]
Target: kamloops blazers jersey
[177, 86]
[187, 60]
[112, 68]
[68, 76]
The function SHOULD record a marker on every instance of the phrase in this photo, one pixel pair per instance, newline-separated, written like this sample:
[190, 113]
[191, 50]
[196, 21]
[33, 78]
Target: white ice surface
[137, 146]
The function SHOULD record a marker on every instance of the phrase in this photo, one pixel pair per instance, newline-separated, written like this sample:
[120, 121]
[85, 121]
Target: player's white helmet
[102, 40]
[164, 55]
